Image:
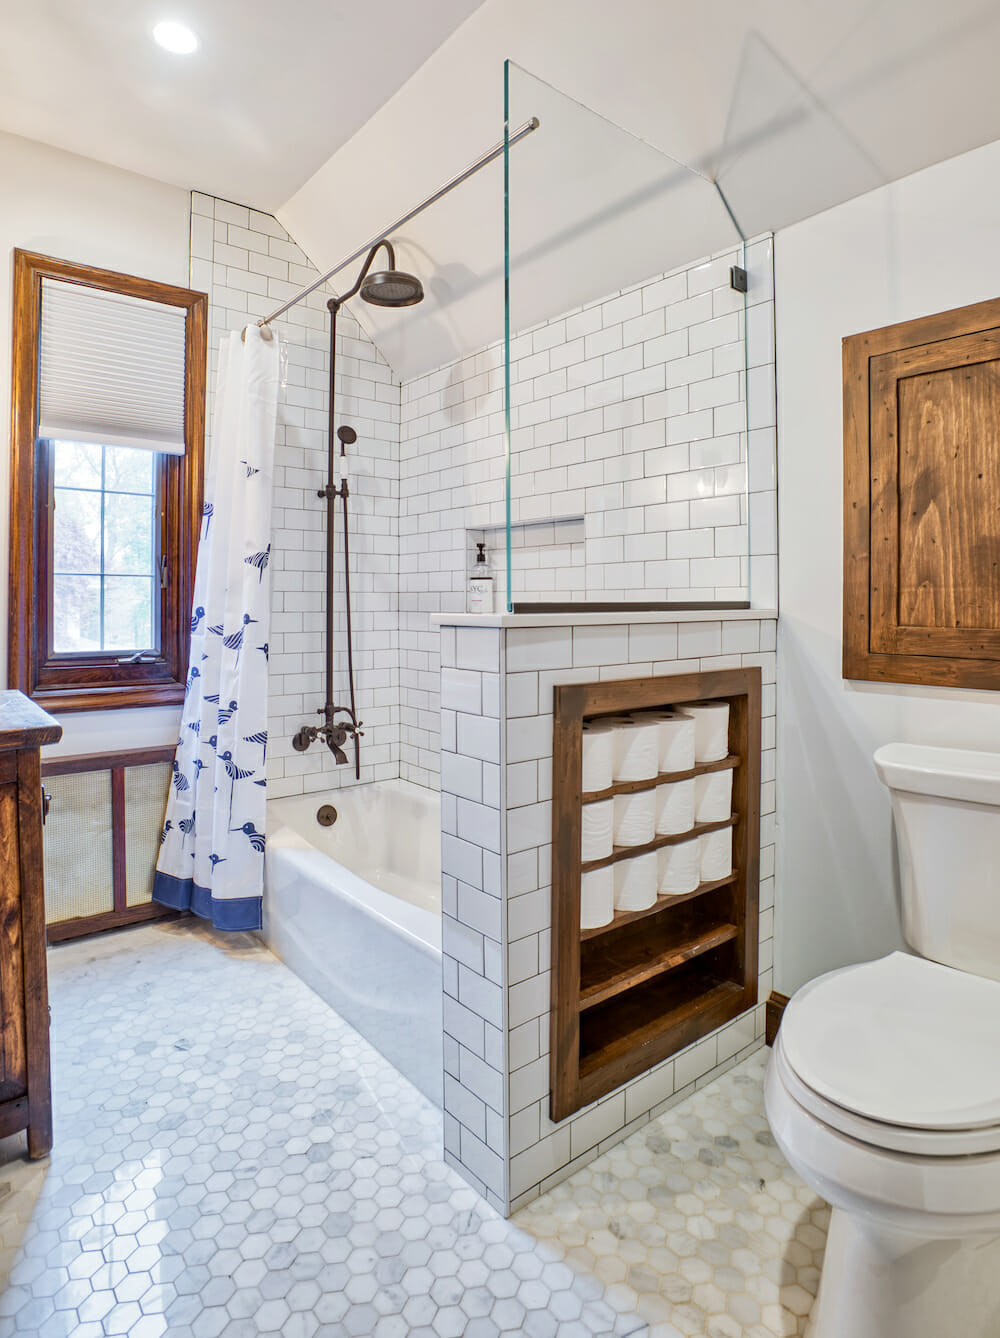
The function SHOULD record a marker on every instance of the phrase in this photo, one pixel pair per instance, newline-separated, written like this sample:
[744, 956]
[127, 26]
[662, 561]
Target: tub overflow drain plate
[326, 816]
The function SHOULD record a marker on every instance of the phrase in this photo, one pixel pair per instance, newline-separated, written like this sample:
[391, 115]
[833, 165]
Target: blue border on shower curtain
[184, 894]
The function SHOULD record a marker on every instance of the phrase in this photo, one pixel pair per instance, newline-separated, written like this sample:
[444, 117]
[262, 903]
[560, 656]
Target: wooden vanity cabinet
[25, 1088]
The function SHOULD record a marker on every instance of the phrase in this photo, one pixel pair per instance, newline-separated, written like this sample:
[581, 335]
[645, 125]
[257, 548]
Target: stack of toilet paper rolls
[642, 747]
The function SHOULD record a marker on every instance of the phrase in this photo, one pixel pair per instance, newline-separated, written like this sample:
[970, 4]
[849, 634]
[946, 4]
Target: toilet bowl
[883, 1087]
[894, 1119]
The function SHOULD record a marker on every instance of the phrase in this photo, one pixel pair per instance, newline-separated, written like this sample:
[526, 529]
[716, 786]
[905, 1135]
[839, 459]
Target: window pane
[76, 614]
[128, 613]
[77, 465]
[127, 469]
[76, 541]
[128, 534]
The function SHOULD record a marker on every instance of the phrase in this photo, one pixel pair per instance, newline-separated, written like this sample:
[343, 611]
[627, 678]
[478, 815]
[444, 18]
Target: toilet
[883, 1087]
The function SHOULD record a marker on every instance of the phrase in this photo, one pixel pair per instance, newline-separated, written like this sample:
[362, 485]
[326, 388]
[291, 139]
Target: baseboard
[773, 1010]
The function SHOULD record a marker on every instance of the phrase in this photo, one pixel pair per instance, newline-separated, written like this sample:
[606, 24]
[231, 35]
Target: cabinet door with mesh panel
[922, 500]
[102, 838]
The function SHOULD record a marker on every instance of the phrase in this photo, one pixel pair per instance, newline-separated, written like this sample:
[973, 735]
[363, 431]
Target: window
[108, 424]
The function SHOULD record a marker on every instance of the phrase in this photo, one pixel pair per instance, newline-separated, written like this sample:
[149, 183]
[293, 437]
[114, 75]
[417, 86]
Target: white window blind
[111, 369]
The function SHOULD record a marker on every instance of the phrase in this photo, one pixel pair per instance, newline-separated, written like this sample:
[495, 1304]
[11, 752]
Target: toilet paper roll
[711, 730]
[597, 897]
[678, 868]
[716, 854]
[596, 830]
[675, 804]
[635, 818]
[598, 755]
[676, 741]
[713, 796]
[635, 882]
[637, 751]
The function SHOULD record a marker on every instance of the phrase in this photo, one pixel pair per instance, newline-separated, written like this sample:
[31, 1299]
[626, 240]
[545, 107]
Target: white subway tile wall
[472, 907]
[248, 265]
[498, 1133]
[629, 430]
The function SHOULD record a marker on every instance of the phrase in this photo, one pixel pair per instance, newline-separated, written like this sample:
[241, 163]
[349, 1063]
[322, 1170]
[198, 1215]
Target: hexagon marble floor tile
[232, 1160]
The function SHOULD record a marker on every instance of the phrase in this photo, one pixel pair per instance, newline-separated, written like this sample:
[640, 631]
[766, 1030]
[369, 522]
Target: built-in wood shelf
[660, 904]
[664, 778]
[631, 993]
[636, 1030]
[617, 966]
[629, 852]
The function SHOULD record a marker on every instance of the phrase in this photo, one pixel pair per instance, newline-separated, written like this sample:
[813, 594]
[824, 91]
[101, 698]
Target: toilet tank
[946, 803]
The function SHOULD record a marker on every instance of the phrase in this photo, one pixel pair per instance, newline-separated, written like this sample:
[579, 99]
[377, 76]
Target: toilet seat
[875, 1133]
[900, 1053]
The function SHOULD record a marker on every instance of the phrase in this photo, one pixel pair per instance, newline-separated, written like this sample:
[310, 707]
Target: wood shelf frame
[664, 778]
[629, 994]
[660, 904]
[619, 853]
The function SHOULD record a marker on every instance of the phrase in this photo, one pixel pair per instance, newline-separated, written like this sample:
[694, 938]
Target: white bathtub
[355, 911]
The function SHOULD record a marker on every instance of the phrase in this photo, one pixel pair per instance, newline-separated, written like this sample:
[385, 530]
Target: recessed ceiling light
[175, 37]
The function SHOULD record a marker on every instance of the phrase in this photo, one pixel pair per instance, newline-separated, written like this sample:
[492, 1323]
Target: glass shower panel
[447, 352]
[624, 368]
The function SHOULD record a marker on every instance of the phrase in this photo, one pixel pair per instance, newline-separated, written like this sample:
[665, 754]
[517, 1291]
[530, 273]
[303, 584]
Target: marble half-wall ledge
[496, 793]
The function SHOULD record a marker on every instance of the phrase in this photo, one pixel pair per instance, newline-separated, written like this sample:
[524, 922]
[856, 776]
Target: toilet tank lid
[949, 773]
[902, 1040]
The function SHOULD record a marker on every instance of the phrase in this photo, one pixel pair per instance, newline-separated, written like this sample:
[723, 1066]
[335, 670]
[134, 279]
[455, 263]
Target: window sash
[159, 566]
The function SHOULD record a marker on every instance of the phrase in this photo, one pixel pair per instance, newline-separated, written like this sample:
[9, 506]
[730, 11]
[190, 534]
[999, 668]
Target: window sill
[112, 698]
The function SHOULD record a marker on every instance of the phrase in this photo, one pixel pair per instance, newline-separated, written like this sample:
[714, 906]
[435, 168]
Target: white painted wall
[924, 244]
[81, 210]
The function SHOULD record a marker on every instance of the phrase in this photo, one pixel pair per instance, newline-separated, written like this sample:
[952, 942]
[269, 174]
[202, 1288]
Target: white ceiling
[275, 88]
[340, 117]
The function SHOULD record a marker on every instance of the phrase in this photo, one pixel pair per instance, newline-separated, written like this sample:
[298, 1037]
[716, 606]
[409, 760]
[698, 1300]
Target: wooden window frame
[872, 651]
[89, 682]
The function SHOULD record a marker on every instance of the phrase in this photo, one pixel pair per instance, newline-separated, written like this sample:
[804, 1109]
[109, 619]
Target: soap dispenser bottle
[481, 583]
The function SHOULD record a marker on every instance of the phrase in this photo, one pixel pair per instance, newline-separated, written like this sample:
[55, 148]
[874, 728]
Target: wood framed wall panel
[922, 501]
[120, 913]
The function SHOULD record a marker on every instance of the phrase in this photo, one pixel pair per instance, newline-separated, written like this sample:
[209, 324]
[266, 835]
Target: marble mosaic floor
[232, 1160]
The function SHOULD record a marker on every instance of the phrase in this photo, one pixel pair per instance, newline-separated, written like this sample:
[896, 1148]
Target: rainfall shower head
[385, 288]
[392, 288]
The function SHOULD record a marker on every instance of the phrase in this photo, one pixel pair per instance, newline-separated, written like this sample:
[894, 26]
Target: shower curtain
[211, 857]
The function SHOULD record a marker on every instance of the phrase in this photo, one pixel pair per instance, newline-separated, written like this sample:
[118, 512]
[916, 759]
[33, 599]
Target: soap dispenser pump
[481, 583]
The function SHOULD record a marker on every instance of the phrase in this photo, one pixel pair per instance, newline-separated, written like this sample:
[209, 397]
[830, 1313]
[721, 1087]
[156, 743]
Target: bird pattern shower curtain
[211, 857]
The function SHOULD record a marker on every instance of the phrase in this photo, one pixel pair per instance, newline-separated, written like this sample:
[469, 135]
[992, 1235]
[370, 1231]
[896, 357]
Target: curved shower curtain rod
[482, 161]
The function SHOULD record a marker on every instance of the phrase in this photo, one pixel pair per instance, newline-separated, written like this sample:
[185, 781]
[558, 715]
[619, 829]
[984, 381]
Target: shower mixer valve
[334, 733]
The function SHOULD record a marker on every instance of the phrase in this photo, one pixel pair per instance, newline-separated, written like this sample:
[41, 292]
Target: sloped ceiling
[275, 87]
[790, 105]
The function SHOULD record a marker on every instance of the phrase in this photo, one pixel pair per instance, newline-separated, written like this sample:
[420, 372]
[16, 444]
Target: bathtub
[354, 910]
